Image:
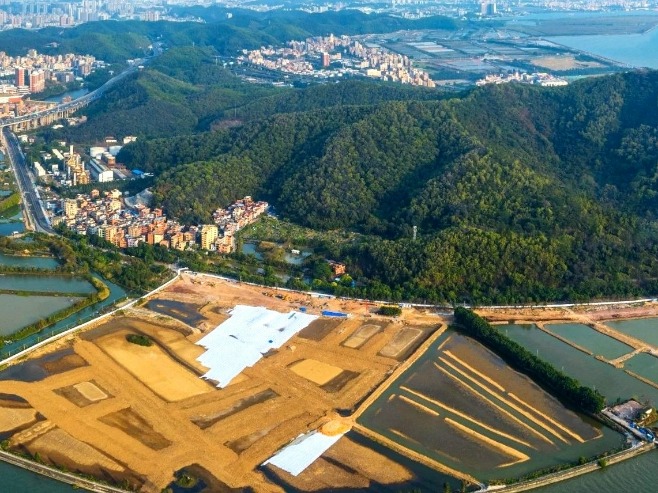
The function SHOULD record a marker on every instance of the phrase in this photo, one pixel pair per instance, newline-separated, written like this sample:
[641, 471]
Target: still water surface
[636, 50]
[19, 311]
[610, 381]
[27, 262]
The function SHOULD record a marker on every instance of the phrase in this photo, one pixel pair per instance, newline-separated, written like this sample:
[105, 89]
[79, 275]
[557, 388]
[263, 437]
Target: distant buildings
[539, 78]
[356, 58]
[75, 170]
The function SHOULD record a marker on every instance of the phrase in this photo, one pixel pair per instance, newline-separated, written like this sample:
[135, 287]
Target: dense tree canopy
[519, 193]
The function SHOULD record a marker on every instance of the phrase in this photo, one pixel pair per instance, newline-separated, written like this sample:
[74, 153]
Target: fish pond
[644, 329]
[613, 383]
[462, 406]
[590, 339]
[19, 311]
[28, 262]
[46, 284]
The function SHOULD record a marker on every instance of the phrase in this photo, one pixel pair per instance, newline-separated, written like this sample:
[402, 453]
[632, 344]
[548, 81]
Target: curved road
[81, 101]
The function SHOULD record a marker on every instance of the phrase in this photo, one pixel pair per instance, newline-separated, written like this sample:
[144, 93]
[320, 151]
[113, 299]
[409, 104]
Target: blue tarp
[327, 313]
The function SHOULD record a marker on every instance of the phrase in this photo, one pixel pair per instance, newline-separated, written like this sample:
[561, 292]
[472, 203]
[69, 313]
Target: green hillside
[519, 193]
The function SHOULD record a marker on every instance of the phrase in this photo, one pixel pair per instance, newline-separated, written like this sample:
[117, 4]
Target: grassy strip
[564, 387]
[9, 202]
[19, 292]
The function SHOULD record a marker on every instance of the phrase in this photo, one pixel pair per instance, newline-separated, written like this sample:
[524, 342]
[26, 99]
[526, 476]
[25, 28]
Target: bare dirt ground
[571, 314]
[160, 416]
[563, 62]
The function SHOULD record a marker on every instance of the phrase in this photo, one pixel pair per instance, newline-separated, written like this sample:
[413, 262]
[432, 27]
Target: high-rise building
[209, 233]
[70, 207]
[488, 8]
[37, 81]
[21, 77]
[326, 59]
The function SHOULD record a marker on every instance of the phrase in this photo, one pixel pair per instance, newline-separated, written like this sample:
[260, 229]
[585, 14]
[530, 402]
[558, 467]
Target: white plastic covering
[241, 340]
[302, 452]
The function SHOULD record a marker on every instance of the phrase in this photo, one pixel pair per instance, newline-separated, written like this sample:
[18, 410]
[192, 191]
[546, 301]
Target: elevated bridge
[62, 110]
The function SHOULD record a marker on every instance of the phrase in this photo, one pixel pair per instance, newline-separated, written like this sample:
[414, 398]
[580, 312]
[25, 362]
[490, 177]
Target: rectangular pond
[645, 329]
[463, 406]
[19, 311]
[590, 339]
[645, 365]
[28, 262]
[50, 284]
[612, 382]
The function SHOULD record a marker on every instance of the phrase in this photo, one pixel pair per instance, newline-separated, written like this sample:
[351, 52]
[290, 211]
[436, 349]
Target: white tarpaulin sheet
[302, 452]
[241, 340]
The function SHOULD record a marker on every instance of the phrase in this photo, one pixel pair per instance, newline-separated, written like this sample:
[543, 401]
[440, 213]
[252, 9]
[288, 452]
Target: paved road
[31, 203]
[36, 216]
[57, 474]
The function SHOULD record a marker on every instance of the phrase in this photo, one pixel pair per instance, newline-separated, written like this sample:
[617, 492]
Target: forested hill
[519, 193]
[184, 91]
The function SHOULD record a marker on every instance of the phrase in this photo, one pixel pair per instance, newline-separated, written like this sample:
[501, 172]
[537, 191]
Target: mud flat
[136, 426]
[185, 312]
[460, 405]
[318, 329]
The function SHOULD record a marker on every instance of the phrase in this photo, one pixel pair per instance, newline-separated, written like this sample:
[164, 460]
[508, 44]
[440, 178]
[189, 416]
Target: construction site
[145, 396]
[215, 385]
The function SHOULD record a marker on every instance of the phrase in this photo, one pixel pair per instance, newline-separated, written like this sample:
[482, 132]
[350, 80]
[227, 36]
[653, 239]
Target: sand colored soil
[316, 371]
[160, 416]
[180, 343]
[153, 367]
[355, 465]
[578, 313]
[13, 418]
[58, 441]
[361, 336]
[335, 427]
[90, 391]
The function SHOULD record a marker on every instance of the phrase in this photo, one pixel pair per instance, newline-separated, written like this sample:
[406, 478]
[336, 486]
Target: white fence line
[426, 305]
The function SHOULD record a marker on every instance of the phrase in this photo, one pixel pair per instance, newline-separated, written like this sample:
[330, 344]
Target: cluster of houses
[106, 215]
